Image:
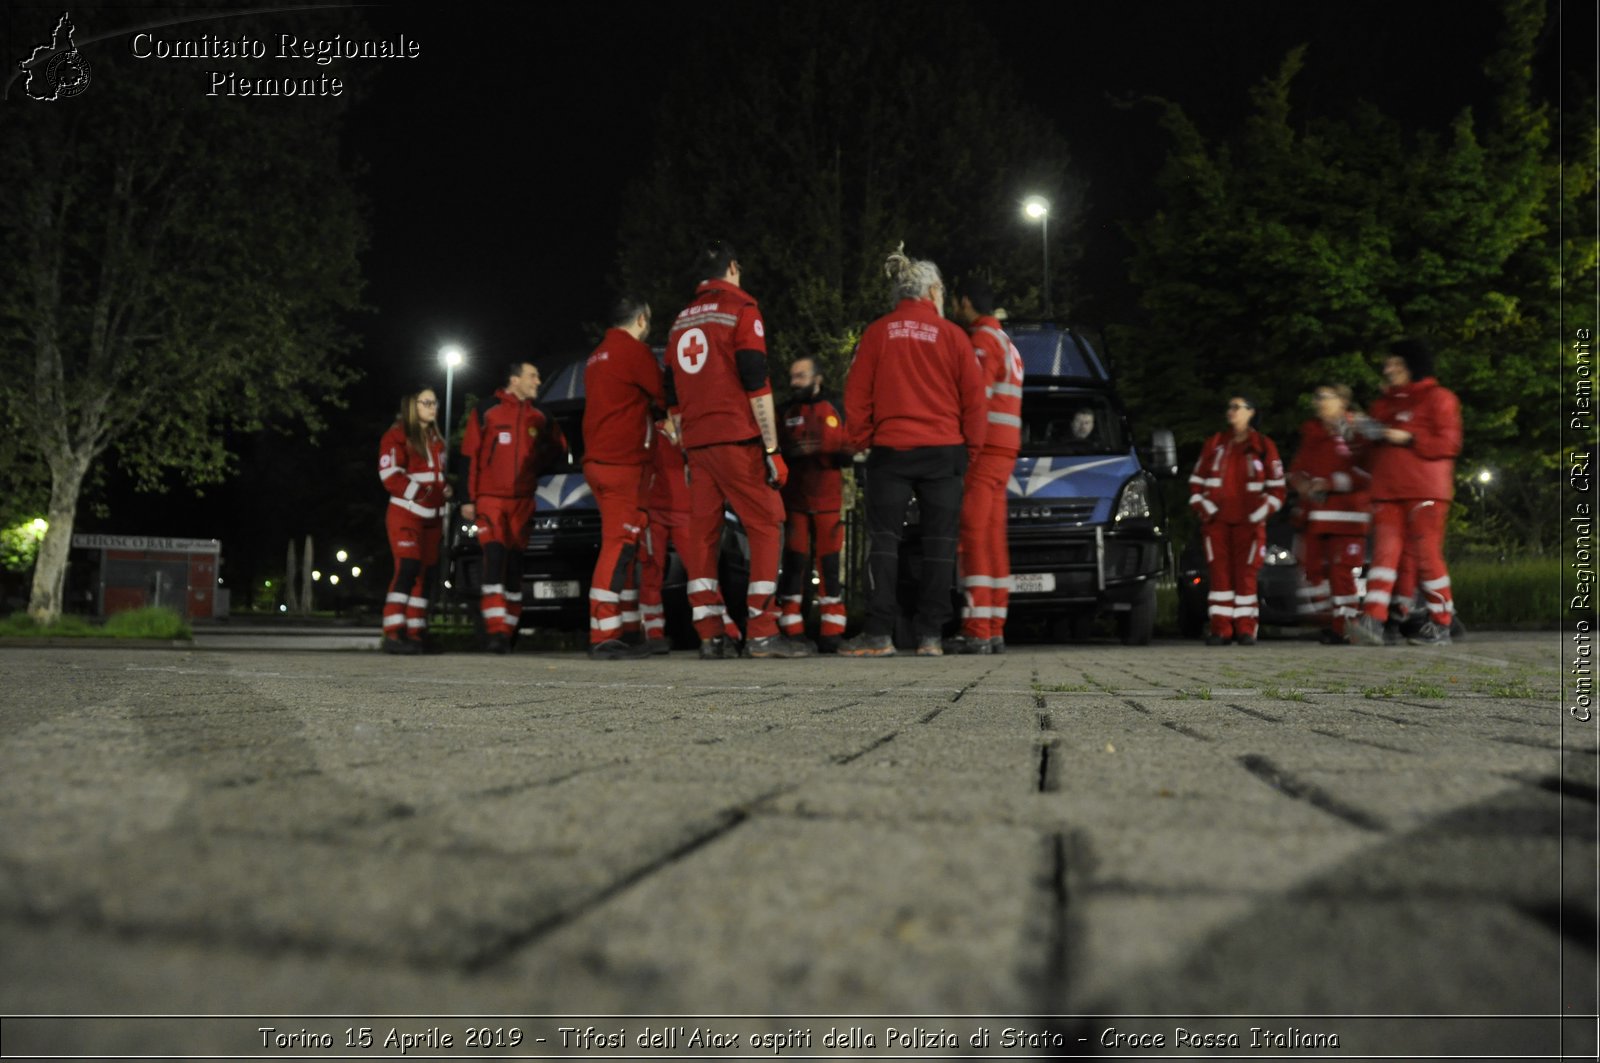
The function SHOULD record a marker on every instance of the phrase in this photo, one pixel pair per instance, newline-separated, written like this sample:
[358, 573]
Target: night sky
[495, 162]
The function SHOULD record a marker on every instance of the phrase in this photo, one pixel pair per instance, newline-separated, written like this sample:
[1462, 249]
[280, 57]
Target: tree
[1292, 253]
[845, 137]
[174, 268]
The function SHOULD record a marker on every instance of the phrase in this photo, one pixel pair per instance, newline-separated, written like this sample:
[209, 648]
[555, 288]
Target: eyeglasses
[427, 402]
[1240, 406]
[1319, 396]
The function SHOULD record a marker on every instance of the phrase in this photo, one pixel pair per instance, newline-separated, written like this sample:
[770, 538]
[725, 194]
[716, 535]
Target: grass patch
[1522, 594]
[134, 624]
[21, 625]
[147, 624]
[1283, 695]
[1511, 686]
[1199, 693]
[1060, 688]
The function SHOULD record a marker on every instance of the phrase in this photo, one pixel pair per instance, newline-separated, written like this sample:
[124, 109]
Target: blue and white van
[1088, 534]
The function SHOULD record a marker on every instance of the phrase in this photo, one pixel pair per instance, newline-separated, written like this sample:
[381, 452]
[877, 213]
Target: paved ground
[1289, 830]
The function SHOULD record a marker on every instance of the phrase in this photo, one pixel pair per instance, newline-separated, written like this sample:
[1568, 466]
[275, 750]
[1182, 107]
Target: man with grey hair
[914, 402]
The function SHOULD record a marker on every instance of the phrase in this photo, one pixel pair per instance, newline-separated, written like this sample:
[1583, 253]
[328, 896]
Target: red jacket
[814, 480]
[1001, 363]
[1329, 455]
[703, 375]
[915, 382]
[415, 482]
[621, 381]
[508, 442]
[1237, 483]
[1425, 467]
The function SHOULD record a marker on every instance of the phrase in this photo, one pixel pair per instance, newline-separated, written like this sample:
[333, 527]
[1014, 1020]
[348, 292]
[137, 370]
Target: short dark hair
[715, 258]
[977, 290]
[514, 367]
[1417, 354]
[626, 308]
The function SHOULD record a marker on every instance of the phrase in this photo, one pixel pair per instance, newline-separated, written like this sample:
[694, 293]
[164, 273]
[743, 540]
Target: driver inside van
[1082, 425]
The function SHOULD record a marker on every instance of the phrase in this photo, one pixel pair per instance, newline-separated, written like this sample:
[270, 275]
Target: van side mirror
[1163, 454]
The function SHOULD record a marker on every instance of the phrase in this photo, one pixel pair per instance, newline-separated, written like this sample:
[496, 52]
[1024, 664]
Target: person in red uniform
[984, 554]
[1332, 485]
[914, 403]
[716, 380]
[812, 434]
[506, 443]
[1413, 481]
[621, 382]
[1237, 483]
[411, 467]
[667, 516]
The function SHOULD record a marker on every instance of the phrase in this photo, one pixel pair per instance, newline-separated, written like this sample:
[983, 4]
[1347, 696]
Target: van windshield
[1071, 423]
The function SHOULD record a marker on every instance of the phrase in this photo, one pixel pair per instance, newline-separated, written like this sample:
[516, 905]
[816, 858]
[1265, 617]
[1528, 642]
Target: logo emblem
[386, 461]
[761, 329]
[692, 350]
[56, 71]
[833, 422]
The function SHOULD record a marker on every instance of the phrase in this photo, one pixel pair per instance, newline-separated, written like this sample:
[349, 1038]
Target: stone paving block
[897, 919]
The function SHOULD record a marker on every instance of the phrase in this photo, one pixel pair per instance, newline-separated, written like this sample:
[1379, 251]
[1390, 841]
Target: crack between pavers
[1360, 741]
[1300, 790]
[847, 758]
[511, 943]
[1257, 715]
[1049, 766]
[1173, 725]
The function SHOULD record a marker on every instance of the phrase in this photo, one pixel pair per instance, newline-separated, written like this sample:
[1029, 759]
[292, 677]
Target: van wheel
[1136, 625]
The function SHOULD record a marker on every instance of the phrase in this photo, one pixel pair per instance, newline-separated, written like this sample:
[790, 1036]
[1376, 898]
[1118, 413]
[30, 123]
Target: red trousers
[1234, 553]
[619, 493]
[1404, 529]
[734, 474]
[664, 529]
[806, 535]
[414, 541]
[984, 557]
[1330, 564]
[503, 533]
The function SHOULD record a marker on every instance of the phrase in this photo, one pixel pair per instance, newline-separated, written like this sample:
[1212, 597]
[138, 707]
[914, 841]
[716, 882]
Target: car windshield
[1071, 423]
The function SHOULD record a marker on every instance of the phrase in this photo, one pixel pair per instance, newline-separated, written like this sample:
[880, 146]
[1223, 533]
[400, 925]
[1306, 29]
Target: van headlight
[1134, 501]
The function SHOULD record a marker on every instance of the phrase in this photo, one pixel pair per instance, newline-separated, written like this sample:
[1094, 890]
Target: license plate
[546, 589]
[1033, 582]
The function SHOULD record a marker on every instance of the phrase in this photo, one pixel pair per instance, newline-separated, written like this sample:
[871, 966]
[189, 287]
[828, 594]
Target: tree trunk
[50, 569]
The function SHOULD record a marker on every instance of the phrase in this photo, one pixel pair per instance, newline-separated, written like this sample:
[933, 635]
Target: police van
[1087, 529]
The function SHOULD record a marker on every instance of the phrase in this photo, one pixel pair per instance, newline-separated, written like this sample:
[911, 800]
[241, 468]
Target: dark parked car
[1279, 586]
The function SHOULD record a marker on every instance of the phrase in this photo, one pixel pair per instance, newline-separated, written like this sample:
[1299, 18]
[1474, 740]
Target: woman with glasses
[1237, 483]
[411, 466]
[1333, 501]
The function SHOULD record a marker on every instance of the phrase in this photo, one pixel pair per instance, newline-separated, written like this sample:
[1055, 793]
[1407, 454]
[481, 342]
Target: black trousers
[933, 476]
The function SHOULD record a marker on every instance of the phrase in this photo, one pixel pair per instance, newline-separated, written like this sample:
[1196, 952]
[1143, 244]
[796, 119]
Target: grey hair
[912, 277]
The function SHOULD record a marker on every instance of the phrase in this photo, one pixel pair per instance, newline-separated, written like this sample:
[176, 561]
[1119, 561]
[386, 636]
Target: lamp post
[452, 356]
[1038, 208]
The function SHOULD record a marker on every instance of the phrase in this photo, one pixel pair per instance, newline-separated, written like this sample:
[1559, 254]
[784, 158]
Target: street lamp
[451, 355]
[1038, 209]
